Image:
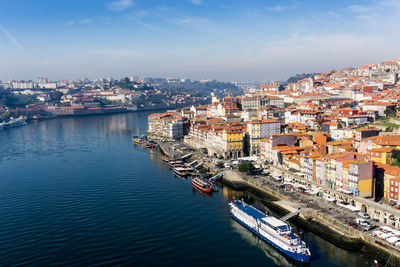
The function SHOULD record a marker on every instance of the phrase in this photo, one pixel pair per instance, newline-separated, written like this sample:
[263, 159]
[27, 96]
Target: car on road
[226, 165]
[363, 215]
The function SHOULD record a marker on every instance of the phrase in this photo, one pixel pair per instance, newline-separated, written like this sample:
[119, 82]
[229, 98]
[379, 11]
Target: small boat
[186, 156]
[137, 140]
[201, 184]
[14, 123]
[147, 144]
[164, 158]
[214, 187]
[182, 171]
[152, 145]
[172, 163]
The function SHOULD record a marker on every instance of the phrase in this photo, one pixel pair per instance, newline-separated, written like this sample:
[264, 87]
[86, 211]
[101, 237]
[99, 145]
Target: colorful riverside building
[381, 154]
[168, 125]
[379, 142]
[390, 173]
[394, 190]
[233, 141]
[221, 139]
[260, 129]
[355, 177]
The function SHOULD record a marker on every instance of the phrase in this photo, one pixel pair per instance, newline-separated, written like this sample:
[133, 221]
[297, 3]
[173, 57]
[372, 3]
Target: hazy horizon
[238, 41]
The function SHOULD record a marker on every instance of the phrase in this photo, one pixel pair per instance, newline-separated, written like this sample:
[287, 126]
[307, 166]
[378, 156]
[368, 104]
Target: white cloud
[10, 37]
[69, 23]
[276, 8]
[360, 9]
[368, 17]
[80, 21]
[120, 5]
[389, 3]
[86, 21]
[114, 52]
[196, 2]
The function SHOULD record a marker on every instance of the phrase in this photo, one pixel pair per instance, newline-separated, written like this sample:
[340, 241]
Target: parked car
[366, 228]
[365, 223]
[362, 222]
[226, 165]
[354, 225]
[363, 215]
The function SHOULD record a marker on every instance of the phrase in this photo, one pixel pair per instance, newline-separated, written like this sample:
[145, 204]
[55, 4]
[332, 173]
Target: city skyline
[198, 39]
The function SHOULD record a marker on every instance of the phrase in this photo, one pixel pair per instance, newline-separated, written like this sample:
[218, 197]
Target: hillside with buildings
[339, 130]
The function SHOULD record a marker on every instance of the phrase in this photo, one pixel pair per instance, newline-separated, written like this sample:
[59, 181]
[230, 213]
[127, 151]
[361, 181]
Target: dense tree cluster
[299, 77]
[15, 101]
[246, 167]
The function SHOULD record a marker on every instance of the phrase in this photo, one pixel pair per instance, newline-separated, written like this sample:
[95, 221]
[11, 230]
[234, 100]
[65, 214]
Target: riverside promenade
[317, 215]
[323, 218]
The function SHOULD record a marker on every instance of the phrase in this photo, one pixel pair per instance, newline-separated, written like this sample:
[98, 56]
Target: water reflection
[71, 134]
[198, 192]
[229, 193]
[252, 239]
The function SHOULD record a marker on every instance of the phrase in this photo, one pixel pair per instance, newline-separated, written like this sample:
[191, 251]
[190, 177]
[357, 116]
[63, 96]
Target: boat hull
[181, 174]
[292, 255]
[207, 190]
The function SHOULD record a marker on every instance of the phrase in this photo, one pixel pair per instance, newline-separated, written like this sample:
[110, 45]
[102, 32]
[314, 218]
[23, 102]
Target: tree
[389, 112]
[396, 157]
[299, 77]
[246, 167]
[55, 97]
[347, 105]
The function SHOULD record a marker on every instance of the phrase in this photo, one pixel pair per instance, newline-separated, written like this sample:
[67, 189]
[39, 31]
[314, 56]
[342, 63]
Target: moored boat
[164, 158]
[14, 123]
[182, 171]
[137, 140]
[145, 145]
[174, 162]
[201, 184]
[275, 232]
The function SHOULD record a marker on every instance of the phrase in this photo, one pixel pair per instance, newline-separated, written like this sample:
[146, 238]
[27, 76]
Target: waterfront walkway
[313, 208]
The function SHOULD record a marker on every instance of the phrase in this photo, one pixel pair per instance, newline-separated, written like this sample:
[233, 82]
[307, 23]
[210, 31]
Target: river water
[75, 191]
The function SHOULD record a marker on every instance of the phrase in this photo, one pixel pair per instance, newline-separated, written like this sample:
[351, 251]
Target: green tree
[347, 105]
[55, 97]
[396, 157]
[389, 112]
[246, 167]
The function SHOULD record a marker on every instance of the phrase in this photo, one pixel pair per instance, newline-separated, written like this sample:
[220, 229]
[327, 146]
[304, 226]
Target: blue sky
[230, 40]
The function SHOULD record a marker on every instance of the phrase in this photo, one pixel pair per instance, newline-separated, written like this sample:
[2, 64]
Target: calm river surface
[75, 191]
